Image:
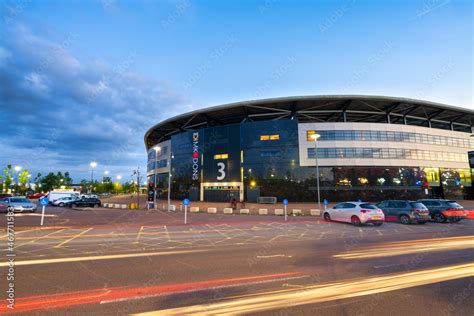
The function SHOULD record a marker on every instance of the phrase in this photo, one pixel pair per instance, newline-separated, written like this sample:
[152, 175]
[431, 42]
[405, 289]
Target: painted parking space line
[74, 237]
[39, 238]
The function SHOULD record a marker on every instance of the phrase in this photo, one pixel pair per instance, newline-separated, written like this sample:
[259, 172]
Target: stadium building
[369, 148]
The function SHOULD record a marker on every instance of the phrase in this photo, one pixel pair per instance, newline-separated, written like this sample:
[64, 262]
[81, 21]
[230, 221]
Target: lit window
[221, 156]
[270, 137]
[309, 135]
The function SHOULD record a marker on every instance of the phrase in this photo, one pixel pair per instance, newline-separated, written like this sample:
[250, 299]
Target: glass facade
[385, 136]
[264, 155]
[387, 153]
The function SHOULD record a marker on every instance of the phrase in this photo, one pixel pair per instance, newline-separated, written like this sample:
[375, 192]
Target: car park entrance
[222, 192]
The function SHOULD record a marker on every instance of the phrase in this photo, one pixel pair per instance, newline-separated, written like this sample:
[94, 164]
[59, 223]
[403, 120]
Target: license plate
[376, 217]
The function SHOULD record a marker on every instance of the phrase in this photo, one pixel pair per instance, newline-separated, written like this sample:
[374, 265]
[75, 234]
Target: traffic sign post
[185, 203]
[285, 203]
[325, 203]
[43, 202]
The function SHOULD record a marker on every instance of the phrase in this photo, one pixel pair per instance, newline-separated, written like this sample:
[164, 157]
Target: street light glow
[17, 168]
[93, 164]
[315, 136]
[106, 172]
[157, 148]
[119, 177]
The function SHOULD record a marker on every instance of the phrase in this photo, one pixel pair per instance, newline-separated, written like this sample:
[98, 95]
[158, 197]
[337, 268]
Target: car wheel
[421, 223]
[61, 204]
[73, 205]
[355, 221]
[439, 218]
[405, 220]
[327, 217]
[378, 223]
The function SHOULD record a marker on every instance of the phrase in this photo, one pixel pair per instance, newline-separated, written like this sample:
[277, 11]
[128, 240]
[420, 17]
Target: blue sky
[84, 80]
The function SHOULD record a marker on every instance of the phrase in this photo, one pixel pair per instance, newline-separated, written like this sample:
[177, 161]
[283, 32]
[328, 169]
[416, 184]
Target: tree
[23, 178]
[7, 178]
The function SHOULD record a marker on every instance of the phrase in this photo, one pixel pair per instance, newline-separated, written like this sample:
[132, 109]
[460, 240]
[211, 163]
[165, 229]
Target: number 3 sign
[221, 171]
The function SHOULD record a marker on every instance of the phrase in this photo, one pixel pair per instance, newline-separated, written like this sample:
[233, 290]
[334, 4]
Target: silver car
[4, 206]
[19, 204]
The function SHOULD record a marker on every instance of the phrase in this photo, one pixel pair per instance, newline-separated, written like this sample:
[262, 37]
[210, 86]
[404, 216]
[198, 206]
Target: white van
[54, 195]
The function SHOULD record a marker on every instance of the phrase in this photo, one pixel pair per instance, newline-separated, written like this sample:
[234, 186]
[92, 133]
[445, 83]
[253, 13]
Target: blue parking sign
[285, 202]
[186, 202]
[43, 201]
[325, 202]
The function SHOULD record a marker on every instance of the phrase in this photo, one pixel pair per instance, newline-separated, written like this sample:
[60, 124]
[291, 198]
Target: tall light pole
[157, 150]
[93, 164]
[315, 137]
[169, 181]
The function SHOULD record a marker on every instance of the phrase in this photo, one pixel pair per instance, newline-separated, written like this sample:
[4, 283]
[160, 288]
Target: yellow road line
[41, 237]
[318, 294]
[93, 258]
[138, 235]
[74, 237]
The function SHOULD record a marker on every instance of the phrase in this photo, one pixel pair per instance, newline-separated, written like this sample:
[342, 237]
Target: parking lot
[107, 260]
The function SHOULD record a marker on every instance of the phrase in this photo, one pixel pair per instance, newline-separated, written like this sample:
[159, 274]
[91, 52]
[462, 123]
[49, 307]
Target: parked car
[65, 200]
[35, 196]
[89, 196]
[87, 202]
[4, 207]
[57, 194]
[405, 211]
[444, 210]
[357, 213]
[20, 204]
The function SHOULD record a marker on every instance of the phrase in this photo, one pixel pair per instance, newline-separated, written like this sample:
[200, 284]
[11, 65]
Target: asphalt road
[108, 262]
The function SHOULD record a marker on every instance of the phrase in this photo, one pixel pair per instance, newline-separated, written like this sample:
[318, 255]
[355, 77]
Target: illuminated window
[309, 135]
[221, 156]
[270, 137]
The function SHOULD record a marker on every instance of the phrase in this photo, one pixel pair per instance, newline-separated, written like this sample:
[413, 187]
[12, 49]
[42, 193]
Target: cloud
[60, 110]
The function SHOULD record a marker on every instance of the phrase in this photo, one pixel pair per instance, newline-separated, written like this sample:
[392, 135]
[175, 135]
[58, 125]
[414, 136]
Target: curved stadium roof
[323, 108]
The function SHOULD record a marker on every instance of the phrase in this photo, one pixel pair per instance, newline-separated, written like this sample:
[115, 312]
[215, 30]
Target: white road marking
[93, 258]
[74, 237]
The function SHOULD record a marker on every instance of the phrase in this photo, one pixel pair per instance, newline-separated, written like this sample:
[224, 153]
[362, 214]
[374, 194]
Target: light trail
[121, 294]
[93, 258]
[409, 247]
[317, 294]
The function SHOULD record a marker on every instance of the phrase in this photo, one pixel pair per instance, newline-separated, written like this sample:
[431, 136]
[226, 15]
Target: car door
[383, 206]
[334, 213]
[348, 209]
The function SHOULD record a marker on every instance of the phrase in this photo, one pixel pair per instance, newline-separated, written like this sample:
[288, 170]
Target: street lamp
[315, 137]
[17, 168]
[155, 169]
[169, 181]
[93, 164]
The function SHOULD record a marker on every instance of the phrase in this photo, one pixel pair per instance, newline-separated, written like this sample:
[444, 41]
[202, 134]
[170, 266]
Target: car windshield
[19, 200]
[369, 206]
[453, 204]
[418, 205]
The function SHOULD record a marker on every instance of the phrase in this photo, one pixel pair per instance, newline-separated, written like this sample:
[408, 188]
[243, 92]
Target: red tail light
[364, 211]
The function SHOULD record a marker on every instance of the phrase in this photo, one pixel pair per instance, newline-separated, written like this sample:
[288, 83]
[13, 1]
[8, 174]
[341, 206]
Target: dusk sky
[82, 81]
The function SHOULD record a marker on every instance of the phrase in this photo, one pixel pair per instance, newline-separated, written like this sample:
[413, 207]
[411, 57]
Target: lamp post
[93, 164]
[169, 181]
[315, 137]
[157, 149]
